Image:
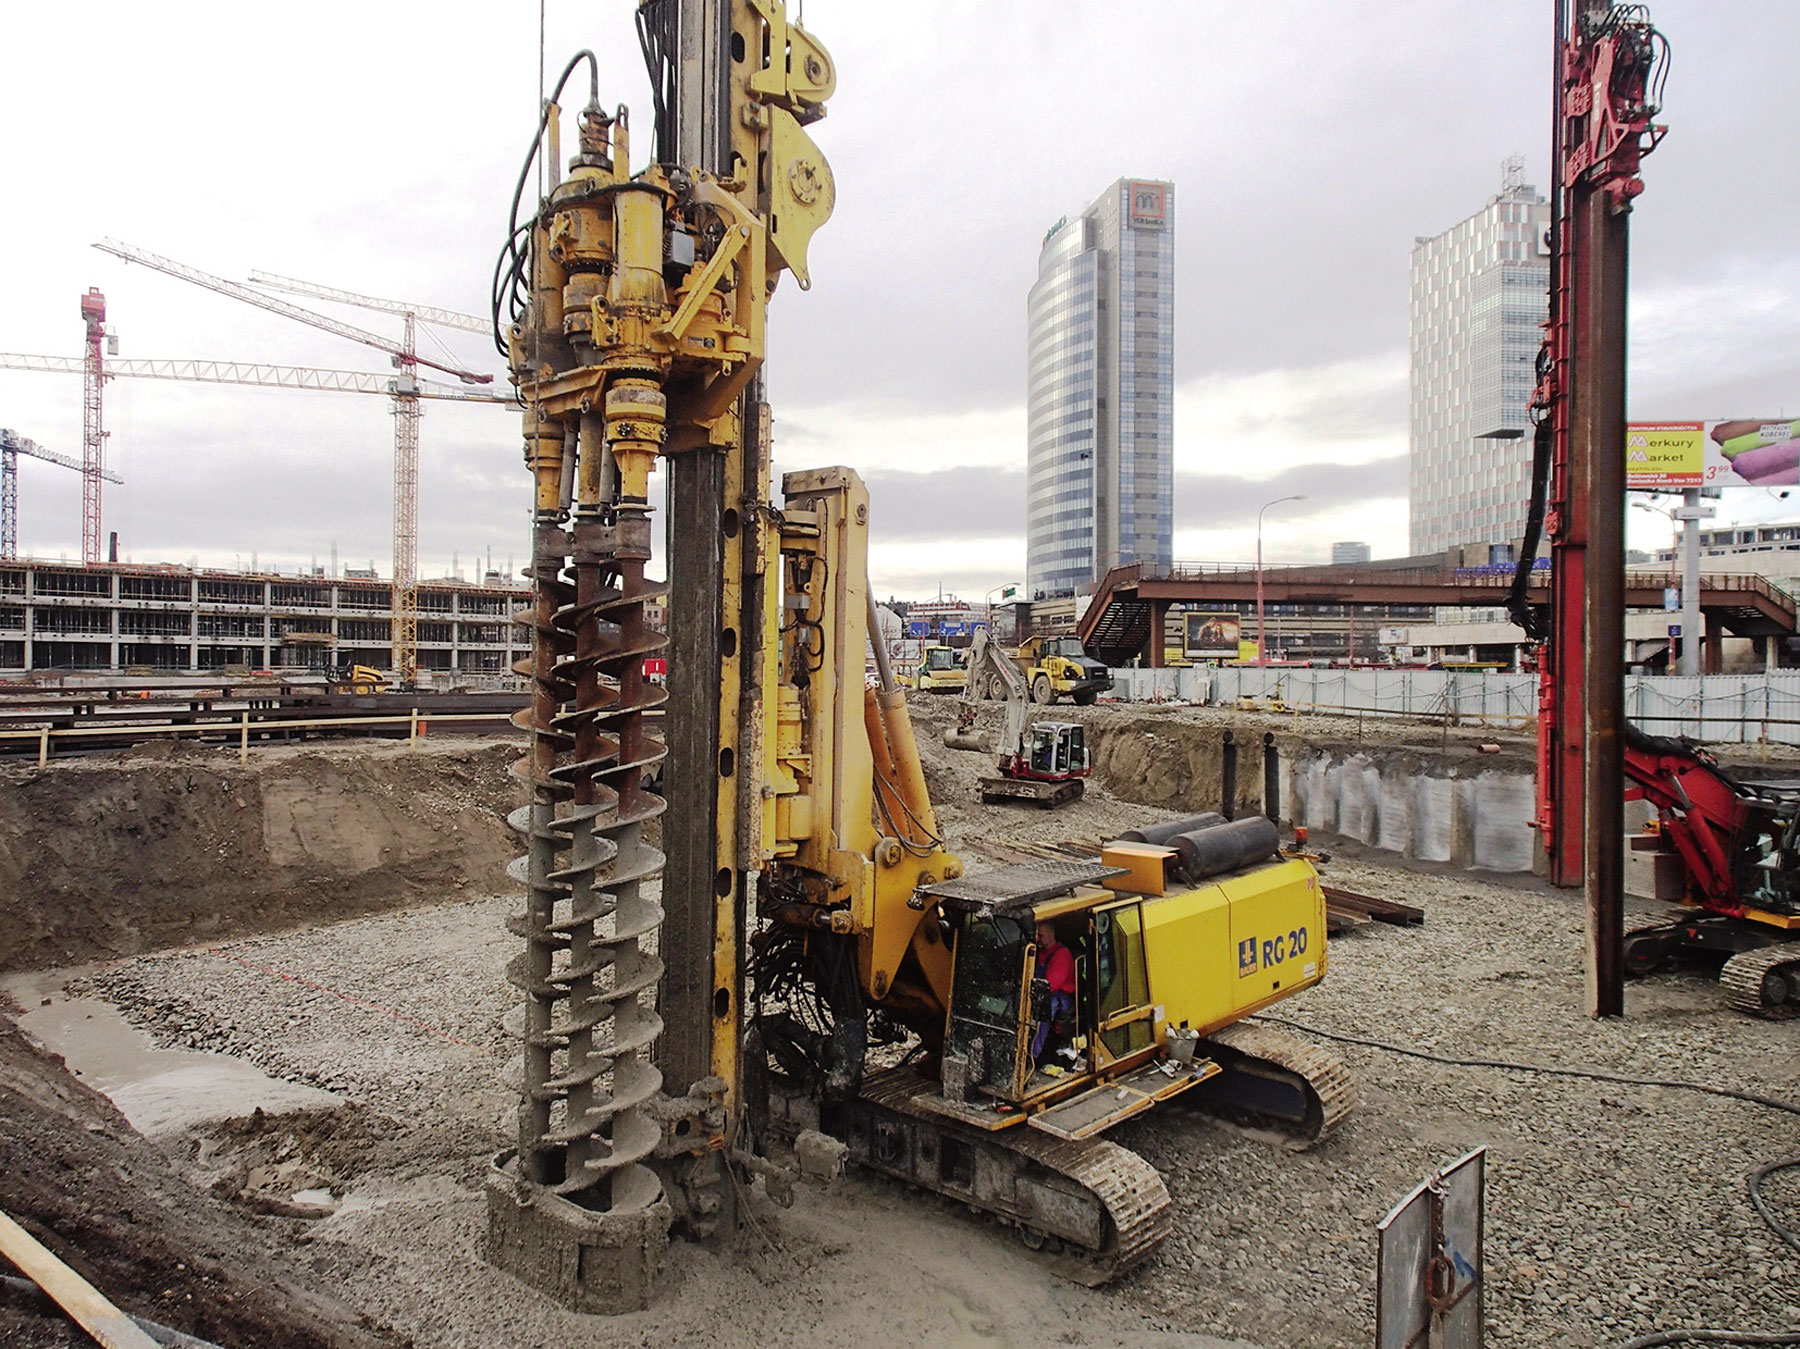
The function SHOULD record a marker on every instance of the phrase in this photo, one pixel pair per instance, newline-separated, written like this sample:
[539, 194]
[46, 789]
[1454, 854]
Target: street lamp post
[1262, 645]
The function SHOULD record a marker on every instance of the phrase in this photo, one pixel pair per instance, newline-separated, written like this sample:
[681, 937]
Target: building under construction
[178, 620]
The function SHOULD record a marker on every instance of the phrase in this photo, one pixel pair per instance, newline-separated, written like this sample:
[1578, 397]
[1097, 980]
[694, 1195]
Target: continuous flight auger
[637, 306]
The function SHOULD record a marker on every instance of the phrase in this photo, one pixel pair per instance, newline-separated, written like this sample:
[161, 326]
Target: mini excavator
[1044, 763]
[809, 966]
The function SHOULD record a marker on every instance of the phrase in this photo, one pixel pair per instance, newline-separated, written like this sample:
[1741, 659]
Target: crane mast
[1609, 63]
[12, 445]
[93, 424]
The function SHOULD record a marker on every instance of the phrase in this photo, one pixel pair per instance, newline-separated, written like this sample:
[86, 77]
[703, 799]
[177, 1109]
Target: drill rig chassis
[1739, 845]
[1032, 1158]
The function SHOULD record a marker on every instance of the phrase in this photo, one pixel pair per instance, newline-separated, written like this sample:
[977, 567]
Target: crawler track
[1276, 1078]
[1096, 1208]
[1765, 982]
[1048, 795]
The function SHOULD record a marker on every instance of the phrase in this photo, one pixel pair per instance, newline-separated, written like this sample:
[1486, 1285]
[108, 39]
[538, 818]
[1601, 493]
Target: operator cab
[1007, 1040]
[1056, 749]
[941, 658]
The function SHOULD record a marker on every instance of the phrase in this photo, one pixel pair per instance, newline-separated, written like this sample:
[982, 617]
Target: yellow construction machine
[813, 963]
[361, 679]
[1052, 667]
[941, 670]
[874, 945]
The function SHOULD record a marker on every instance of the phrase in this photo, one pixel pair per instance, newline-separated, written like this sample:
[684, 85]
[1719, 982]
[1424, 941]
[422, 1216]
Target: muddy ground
[108, 855]
[1612, 1209]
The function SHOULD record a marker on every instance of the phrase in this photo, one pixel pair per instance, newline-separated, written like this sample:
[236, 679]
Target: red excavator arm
[1704, 813]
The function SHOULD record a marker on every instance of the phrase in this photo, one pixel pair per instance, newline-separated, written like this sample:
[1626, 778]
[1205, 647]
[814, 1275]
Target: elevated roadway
[1131, 602]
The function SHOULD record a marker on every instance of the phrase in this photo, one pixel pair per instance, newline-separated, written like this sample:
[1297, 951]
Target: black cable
[656, 30]
[510, 249]
[1518, 598]
[1591, 1074]
[1753, 1181]
[1712, 1337]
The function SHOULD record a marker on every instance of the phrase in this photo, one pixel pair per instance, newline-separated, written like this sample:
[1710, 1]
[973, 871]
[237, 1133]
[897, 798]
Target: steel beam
[1597, 425]
[696, 549]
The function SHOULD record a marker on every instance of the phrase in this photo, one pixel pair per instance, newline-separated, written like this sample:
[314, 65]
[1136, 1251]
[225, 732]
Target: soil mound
[103, 858]
[77, 1177]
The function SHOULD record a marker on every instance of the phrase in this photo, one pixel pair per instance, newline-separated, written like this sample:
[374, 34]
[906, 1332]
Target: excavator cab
[1006, 1040]
[1056, 750]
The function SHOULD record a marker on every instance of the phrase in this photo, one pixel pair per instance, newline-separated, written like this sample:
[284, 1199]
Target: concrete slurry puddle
[163, 1092]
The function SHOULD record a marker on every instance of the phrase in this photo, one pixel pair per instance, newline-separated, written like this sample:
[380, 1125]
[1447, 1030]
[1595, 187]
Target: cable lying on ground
[1753, 1181]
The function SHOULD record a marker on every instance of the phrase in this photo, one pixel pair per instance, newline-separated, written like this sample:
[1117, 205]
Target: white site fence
[1748, 709]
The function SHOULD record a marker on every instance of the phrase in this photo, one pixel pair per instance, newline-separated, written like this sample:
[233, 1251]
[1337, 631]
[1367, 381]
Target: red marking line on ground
[345, 997]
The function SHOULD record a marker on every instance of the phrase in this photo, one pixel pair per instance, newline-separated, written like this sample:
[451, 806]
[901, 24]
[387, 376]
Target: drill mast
[637, 305]
[1609, 66]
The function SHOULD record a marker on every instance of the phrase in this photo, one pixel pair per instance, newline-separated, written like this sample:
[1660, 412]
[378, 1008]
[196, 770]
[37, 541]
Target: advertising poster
[1731, 452]
[1213, 636]
[1661, 455]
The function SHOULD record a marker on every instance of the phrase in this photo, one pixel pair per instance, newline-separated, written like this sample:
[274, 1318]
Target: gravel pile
[1612, 1209]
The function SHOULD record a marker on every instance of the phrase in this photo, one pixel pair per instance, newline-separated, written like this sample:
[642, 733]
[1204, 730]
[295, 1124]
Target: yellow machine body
[940, 671]
[1148, 958]
[360, 679]
[1057, 667]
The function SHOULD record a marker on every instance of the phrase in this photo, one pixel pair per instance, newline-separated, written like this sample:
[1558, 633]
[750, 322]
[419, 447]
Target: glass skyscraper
[1480, 293]
[1100, 456]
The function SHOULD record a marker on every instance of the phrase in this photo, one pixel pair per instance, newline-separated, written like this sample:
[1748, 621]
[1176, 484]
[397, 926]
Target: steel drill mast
[1609, 64]
[631, 308]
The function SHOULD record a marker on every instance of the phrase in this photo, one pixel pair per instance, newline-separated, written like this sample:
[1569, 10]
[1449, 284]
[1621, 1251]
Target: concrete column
[1159, 617]
[1715, 644]
[1771, 652]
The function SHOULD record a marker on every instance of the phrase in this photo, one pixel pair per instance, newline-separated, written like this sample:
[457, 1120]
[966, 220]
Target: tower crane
[213, 372]
[404, 636]
[12, 445]
[93, 430]
[406, 447]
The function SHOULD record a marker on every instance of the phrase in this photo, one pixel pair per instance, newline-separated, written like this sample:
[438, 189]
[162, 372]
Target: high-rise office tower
[1480, 291]
[1349, 551]
[1100, 457]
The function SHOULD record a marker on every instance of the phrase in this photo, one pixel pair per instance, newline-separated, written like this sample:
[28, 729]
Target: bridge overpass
[1125, 619]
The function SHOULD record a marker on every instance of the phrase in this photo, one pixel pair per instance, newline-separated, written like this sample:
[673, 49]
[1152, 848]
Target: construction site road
[1612, 1209]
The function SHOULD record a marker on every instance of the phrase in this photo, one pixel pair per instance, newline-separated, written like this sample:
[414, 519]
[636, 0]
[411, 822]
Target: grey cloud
[989, 503]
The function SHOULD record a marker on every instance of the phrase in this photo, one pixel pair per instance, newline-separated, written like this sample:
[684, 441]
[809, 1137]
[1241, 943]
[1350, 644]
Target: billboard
[1213, 636]
[1730, 452]
[1148, 204]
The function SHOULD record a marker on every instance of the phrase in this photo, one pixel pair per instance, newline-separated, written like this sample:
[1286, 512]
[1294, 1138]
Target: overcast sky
[374, 147]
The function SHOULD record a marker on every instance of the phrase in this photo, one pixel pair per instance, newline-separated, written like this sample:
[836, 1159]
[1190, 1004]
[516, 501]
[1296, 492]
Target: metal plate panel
[1430, 1262]
[1026, 883]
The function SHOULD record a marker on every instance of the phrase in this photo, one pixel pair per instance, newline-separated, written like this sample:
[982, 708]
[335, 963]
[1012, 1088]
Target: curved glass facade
[1100, 391]
[1479, 296]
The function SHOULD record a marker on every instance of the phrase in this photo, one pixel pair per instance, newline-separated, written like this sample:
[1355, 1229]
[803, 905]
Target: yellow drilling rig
[808, 962]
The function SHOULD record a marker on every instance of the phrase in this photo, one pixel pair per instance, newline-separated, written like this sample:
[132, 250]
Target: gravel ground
[1612, 1209]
